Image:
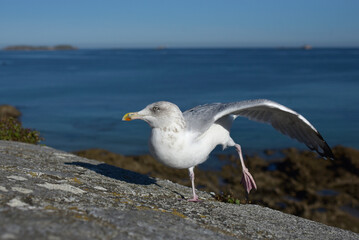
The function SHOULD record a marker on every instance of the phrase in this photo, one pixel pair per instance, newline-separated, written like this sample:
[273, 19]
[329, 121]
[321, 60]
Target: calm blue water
[76, 99]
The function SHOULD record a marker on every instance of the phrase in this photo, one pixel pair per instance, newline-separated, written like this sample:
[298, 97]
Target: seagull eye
[155, 108]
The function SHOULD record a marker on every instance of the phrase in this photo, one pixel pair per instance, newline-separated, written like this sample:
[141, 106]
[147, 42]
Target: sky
[181, 23]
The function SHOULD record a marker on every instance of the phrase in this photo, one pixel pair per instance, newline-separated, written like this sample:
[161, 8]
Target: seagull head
[158, 115]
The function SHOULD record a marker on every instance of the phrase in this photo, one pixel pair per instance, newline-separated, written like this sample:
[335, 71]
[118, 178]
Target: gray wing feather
[283, 119]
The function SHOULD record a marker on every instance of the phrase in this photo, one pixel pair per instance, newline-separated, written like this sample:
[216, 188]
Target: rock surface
[46, 193]
[291, 181]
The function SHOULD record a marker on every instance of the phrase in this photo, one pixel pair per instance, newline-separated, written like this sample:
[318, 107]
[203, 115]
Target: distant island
[304, 47]
[40, 48]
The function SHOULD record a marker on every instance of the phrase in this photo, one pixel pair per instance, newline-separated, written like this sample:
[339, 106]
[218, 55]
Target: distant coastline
[40, 48]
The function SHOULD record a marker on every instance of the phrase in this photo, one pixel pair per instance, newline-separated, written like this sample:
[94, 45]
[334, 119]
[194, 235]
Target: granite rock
[50, 194]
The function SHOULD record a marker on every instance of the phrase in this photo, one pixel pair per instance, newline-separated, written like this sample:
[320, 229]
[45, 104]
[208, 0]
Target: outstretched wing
[283, 119]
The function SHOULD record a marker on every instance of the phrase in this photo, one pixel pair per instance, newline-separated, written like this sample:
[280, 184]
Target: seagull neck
[173, 127]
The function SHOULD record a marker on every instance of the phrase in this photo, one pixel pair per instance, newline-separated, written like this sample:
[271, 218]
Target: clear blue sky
[181, 23]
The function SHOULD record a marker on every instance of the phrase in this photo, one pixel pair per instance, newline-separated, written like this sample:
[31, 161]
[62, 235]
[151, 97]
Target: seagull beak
[131, 116]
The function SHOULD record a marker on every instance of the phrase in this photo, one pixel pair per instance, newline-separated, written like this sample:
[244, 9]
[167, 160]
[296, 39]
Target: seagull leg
[191, 175]
[247, 179]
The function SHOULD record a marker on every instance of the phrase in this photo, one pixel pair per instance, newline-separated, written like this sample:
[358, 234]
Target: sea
[76, 99]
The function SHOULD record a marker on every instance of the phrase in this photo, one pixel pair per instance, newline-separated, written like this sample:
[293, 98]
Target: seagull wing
[283, 119]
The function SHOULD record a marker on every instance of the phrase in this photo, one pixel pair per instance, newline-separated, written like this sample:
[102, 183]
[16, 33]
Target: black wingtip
[324, 150]
[328, 154]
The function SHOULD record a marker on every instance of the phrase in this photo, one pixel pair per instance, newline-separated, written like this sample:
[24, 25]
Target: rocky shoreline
[298, 182]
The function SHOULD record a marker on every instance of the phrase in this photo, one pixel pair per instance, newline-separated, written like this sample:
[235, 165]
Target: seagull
[185, 139]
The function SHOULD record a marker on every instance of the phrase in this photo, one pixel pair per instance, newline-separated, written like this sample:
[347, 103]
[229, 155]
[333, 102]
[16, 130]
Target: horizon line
[164, 47]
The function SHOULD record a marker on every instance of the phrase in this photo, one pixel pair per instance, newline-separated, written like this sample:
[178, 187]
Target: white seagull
[184, 140]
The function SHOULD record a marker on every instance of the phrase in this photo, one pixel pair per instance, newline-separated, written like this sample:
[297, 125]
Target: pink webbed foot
[248, 181]
[194, 199]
